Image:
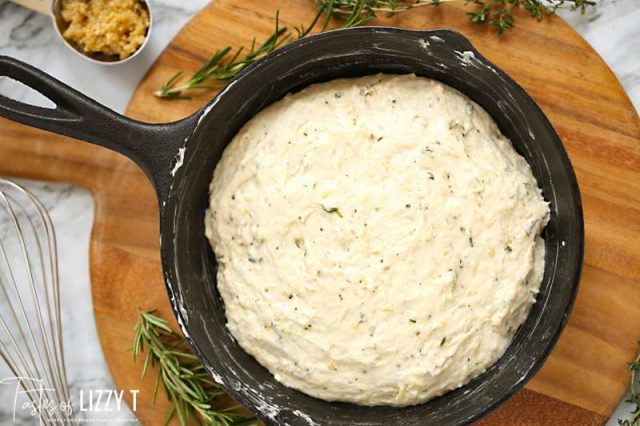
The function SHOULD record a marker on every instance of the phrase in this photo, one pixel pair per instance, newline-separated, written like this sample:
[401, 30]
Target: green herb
[497, 13]
[332, 210]
[634, 398]
[444, 339]
[215, 73]
[412, 320]
[188, 386]
[224, 65]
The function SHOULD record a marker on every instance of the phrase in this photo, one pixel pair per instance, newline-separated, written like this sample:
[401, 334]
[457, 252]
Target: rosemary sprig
[497, 13]
[634, 368]
[188, 386]
[219, 69]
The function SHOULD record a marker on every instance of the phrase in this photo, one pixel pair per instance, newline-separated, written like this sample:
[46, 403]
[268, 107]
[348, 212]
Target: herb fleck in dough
[378, 239]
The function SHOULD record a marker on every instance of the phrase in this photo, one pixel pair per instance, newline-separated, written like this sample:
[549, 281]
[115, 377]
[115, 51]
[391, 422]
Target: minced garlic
[111, 27]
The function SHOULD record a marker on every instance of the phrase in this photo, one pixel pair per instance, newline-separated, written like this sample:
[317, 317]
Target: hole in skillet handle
[442, 55]
[22, 93]
[154, 147]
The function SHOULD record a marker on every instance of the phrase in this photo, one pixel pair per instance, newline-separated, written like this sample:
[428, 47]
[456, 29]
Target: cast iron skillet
[180, 157]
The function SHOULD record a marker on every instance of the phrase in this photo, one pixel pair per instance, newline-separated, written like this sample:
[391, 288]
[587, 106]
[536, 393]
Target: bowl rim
[87, 56]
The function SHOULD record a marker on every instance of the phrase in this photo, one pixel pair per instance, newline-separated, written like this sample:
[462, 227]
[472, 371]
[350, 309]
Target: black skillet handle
[152, 146]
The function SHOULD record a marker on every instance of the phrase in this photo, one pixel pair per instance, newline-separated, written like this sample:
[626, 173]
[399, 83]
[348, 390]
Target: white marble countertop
[613, 28]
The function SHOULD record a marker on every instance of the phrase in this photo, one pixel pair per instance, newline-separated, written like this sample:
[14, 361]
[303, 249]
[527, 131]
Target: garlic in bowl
[115, 28]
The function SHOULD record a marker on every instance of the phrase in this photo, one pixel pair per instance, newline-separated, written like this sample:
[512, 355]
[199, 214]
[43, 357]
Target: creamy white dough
[378, 239]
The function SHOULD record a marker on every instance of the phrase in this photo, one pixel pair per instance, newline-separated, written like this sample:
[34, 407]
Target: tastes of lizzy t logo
[41, 401]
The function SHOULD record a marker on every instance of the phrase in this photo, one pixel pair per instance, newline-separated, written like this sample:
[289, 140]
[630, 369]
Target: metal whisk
[30, 321]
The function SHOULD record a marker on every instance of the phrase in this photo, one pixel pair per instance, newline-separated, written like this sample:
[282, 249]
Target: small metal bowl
[53, 8]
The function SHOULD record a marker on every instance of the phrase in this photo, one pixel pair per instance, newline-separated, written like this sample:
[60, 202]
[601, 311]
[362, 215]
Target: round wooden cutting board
[584, 378]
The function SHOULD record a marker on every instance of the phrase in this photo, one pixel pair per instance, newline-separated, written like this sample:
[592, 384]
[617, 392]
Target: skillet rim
[168, 225]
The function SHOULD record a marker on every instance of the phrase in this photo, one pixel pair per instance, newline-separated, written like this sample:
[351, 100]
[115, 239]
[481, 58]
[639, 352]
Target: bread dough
[378, 239]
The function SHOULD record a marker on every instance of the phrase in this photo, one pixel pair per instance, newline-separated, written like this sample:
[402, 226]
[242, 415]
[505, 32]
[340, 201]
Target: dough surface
[378, 239]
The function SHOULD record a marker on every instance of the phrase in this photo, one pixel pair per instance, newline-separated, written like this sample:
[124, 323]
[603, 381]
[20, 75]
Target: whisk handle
[152, 146]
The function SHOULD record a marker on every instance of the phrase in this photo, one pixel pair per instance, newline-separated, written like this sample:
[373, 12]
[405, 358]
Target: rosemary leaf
[170, 414]
[192, 393]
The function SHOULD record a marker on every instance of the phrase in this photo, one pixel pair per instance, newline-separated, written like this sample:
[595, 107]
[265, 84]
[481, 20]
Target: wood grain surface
[583, 379]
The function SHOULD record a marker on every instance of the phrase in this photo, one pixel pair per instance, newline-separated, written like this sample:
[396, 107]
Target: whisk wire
[13, 312]
[30, 329]
[30, 320]
[55, 326]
